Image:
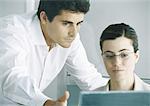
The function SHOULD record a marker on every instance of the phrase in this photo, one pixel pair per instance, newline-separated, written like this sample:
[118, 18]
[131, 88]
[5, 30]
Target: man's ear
[137, 56]
[43, 17]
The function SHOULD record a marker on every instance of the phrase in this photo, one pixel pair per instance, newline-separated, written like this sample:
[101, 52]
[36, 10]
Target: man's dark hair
[55, 7]
[114, 31]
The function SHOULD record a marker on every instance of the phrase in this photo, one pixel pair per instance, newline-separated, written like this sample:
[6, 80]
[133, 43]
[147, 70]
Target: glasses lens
[108, 55]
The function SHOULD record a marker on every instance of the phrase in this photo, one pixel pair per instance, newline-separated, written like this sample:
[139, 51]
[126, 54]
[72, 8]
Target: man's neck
[49, 42]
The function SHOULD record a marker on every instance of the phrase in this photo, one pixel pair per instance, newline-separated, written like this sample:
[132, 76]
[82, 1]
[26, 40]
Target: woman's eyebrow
[108, 51]
[123, 50]
[118, 51]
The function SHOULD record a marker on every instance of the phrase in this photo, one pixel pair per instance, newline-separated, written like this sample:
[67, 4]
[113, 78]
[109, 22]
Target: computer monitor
[114, 98]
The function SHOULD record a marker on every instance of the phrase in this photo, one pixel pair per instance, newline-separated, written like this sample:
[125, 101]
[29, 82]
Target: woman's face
[119, 58]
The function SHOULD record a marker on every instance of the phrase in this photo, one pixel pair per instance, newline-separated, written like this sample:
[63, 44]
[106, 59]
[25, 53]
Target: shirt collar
[35, 31]
[107, 87]
[137, 83]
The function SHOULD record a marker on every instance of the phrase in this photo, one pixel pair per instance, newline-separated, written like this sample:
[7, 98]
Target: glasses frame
[122, 55]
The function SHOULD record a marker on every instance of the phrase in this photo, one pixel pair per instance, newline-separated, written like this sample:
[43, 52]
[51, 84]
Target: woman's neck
[122, 85]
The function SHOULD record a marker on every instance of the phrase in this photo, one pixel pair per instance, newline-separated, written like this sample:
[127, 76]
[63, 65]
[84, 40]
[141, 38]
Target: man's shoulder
[16, 20]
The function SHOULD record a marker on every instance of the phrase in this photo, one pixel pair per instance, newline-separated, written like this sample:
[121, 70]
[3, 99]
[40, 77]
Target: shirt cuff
[39, 99]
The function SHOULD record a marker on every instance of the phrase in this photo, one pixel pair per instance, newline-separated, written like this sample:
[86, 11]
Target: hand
[62, 101]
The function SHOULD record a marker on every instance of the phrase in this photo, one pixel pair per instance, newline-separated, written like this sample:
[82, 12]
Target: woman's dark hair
[114, 31]
[55, 7]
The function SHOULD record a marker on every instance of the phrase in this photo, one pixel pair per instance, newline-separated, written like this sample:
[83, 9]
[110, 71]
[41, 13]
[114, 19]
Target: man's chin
[65, 45]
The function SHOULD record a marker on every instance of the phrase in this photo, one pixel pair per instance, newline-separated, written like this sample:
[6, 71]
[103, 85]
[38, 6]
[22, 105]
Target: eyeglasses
[111, 56]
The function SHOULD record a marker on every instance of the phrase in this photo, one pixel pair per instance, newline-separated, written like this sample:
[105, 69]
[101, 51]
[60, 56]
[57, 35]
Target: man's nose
[73, 31]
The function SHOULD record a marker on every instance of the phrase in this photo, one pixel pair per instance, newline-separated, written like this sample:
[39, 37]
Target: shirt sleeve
[15, 82]
[85, 74]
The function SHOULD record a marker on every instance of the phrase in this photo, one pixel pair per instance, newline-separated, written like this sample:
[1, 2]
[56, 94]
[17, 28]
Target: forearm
[23, 91]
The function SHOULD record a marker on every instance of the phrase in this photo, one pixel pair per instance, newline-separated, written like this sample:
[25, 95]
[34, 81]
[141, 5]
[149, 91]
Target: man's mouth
[69, 40]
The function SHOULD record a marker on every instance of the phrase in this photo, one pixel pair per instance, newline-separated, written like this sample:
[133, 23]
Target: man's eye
[79, 24]
[65, 24]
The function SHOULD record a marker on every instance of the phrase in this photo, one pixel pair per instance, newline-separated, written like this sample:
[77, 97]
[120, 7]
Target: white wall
[12, 6]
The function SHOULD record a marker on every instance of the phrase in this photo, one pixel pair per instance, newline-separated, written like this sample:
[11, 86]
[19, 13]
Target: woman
[119, 46]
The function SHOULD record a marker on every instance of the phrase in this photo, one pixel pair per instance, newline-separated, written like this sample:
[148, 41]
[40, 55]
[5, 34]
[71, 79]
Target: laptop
[114, 98]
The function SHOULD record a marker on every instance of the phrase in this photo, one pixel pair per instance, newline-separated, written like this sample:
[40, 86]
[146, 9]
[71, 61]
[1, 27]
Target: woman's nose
[117, 61]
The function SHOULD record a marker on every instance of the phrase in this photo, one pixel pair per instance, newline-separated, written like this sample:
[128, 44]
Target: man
[34, 49]
[119, 46]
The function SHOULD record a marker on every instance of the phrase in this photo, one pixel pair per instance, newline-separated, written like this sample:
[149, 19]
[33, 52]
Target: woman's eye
[124, 55]
[109, 56]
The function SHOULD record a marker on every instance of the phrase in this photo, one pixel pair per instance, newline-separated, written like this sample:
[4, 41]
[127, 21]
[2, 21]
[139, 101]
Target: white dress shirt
[27, 68]
[139, 85]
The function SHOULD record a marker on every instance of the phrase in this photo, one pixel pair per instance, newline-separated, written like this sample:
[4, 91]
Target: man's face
[63, 28]
[119, 58]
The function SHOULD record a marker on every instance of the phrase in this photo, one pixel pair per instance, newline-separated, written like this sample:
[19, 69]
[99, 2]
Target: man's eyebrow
[71, 22]
[65, 21]
[80, 22]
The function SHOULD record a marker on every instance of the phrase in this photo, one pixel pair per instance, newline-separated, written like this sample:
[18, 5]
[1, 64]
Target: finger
[64, 97]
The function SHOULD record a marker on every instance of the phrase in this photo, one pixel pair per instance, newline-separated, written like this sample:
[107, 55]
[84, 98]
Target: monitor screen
[114, 98]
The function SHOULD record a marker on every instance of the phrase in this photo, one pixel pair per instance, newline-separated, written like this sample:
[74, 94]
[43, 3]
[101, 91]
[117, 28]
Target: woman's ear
[43, 17]
[137, 56]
